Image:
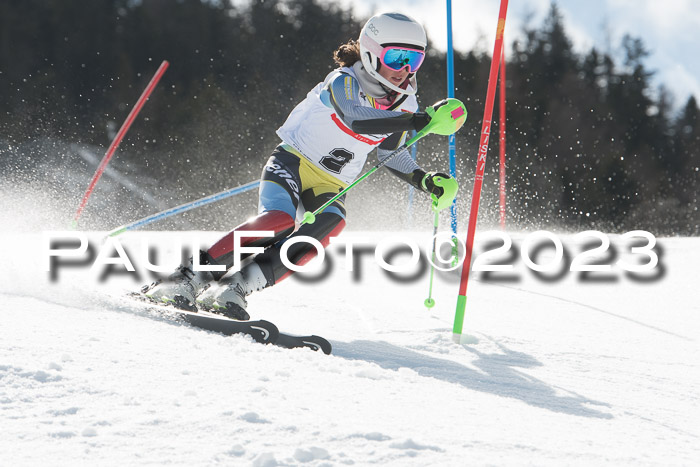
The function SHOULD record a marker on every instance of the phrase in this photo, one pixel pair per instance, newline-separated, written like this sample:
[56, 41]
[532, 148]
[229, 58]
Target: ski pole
[310, 217]
[430, 302]
[447, 117]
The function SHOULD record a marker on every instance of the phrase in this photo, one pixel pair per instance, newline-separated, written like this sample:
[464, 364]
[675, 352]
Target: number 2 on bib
[337, 159]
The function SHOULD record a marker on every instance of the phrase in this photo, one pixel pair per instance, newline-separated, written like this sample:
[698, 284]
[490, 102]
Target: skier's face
[396, 77]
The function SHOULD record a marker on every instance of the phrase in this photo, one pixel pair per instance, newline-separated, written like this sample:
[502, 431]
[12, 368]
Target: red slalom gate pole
[502, 139]
[479, 175]
[120, 135]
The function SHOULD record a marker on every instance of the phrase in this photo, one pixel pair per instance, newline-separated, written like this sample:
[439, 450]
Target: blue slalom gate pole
[451, 93]
[185, 207]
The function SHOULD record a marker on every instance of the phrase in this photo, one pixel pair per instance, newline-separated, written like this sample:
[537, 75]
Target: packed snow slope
[600, 369]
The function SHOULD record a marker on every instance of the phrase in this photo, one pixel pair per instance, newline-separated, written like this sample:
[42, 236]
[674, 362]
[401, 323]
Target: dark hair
[347, 54]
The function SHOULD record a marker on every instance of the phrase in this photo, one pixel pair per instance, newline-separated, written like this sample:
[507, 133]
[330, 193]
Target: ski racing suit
[325, 143]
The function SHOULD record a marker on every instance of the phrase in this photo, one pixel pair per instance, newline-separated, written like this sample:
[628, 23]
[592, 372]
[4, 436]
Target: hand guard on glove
[442, 118]
[442, 189]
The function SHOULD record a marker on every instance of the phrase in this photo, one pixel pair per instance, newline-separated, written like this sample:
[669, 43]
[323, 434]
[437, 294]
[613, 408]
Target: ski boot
[228, 296]
[181, 288]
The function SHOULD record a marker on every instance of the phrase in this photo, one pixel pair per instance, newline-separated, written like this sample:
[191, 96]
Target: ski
[261, 331]
[313, 342]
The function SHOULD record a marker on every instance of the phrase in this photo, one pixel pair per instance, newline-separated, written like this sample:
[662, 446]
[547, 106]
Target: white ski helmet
[390, 29]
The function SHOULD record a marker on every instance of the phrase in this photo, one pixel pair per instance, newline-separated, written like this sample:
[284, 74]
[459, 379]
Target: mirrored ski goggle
[398, 58]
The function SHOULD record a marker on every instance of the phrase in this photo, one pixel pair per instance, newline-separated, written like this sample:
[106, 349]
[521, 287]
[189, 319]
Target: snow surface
[566, 371]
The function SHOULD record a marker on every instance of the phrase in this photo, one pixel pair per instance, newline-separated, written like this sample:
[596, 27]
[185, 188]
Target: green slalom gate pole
[447, 117]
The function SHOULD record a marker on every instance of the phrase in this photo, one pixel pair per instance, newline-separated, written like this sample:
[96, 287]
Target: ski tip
[321, 344]
[315, 343]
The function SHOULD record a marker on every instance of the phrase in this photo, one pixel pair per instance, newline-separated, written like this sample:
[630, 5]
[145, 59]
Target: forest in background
[590, 143]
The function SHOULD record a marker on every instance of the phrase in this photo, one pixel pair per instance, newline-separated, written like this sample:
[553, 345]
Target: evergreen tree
[588, 139]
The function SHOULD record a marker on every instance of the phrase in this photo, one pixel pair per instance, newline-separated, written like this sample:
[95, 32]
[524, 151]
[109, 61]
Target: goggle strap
[373, 46]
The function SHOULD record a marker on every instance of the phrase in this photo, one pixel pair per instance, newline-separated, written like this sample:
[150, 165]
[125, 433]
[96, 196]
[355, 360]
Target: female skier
[368, 102]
